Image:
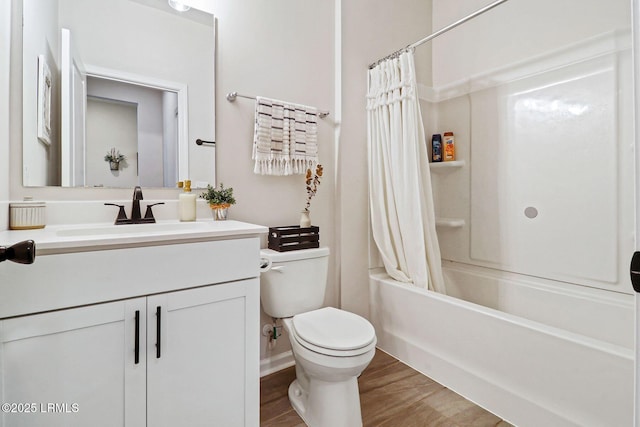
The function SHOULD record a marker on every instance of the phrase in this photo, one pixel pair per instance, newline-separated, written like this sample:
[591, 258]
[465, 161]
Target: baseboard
[276, 363]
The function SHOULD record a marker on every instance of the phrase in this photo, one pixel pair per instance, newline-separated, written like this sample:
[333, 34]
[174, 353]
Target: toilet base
[297, 399]
[327, 404]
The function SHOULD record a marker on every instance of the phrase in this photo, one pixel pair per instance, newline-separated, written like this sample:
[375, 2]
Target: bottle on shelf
[436, 148]
[449, 147]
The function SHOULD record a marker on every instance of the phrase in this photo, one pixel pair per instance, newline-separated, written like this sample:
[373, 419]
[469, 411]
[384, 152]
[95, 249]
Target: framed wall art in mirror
[44, 101]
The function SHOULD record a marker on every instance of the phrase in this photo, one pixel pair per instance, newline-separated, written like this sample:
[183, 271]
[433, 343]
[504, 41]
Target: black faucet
[136, 216]
[135, 207]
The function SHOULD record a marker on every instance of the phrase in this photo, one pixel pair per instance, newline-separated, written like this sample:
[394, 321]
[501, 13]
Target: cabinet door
[205, 372]
[74, 367]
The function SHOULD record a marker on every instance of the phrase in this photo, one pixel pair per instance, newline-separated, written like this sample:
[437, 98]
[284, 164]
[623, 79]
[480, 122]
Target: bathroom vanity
[134, 325]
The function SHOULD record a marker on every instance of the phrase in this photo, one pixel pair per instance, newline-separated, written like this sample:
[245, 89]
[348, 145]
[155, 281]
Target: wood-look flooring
[391, 395]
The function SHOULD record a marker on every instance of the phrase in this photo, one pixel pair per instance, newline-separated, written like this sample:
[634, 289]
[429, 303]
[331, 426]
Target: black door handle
[634, 271]
[137, 339]
[158, 331]
[23, 252]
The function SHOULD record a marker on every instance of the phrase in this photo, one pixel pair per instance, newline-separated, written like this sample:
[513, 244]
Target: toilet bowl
[331, 347]
[325, 392]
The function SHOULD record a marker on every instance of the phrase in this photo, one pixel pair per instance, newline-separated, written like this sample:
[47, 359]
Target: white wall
[5, 43]
[370, 30]
[41, 29]
[284, 50]
[514, 31]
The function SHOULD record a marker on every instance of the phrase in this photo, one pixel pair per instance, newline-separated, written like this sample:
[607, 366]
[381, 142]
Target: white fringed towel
[285, 139]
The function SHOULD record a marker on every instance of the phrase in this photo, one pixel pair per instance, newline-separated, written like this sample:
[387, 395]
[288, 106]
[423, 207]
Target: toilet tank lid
[276, 256]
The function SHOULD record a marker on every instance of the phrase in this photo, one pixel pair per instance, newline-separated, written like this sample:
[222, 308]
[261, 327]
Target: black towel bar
[200, 142]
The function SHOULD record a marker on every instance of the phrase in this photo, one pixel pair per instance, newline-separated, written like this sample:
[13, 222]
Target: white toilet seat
[333, 332]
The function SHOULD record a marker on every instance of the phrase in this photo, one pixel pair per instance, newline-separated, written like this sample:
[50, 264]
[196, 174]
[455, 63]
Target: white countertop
[56, 239]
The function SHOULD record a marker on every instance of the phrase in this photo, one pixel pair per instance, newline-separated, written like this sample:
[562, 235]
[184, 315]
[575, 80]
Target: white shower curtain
[401, 202]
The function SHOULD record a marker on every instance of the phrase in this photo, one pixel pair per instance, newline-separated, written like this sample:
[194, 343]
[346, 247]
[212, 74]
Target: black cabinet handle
[158, 325]
[137, 338]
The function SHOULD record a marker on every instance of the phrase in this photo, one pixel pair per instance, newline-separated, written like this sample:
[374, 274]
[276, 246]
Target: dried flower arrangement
[312, 180]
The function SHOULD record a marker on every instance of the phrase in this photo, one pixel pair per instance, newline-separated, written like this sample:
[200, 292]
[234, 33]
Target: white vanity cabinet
[79, 359]
[197, 376]
[81, 366]
[173, 342]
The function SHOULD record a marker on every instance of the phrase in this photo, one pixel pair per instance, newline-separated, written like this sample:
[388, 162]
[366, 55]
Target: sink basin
[107, 230]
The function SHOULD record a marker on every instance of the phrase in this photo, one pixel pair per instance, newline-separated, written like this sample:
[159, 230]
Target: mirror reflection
[111, 98]
[132, 127]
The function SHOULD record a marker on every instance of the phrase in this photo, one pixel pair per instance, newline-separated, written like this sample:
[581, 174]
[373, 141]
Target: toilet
[331, 347]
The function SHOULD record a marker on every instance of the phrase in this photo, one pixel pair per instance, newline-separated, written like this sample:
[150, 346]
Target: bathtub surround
[533, 246]
[523, 210]
[402, 214]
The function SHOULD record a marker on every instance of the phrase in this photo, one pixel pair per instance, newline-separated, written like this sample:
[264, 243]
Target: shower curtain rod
[439, 32]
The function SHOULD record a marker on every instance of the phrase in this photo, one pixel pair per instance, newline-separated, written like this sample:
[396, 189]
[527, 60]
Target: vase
[114, 166]
[305, 220]
[220, 211]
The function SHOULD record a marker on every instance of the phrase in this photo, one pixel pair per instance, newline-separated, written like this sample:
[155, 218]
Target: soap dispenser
[186, 202]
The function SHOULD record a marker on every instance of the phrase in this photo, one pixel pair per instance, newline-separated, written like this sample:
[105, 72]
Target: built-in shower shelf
[439, 166]
[450, 222]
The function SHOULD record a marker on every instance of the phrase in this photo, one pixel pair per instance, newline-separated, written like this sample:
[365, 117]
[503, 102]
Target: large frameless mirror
[115, 92]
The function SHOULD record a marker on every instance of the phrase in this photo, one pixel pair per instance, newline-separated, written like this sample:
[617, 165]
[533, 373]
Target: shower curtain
[401, 202]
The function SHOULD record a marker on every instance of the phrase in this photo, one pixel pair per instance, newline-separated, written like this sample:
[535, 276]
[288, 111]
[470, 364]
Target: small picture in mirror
[44, 101]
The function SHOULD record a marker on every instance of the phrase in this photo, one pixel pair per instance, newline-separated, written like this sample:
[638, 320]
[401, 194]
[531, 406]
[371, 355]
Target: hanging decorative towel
[285, 140]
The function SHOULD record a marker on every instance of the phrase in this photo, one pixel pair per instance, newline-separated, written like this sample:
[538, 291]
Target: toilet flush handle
[278, 268]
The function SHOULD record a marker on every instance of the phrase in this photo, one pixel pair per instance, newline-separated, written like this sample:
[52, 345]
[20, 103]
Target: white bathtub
[533, 352]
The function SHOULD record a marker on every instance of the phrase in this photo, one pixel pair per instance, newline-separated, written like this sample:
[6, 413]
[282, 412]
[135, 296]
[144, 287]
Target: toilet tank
[295, 282]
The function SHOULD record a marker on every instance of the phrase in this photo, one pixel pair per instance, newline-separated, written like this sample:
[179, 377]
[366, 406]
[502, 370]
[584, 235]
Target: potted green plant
[219, 200]
[114, 157]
